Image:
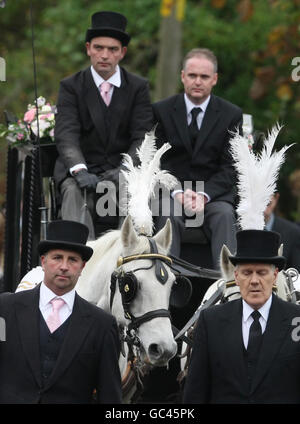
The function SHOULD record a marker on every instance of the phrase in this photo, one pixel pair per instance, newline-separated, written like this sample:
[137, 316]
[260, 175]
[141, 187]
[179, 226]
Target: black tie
[193, 127]
[254, 342]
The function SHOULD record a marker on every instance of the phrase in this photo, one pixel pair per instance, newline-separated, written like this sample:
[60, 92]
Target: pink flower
[29, 115]
[20, 136]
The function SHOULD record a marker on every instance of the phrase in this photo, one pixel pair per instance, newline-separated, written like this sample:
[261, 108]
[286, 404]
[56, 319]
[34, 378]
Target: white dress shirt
[46, 295]
[269, 224]
[189, 106]
[247, 318]
[115, 81]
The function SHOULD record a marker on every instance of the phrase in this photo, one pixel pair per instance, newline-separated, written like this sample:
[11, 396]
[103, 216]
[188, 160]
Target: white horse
[156, 339]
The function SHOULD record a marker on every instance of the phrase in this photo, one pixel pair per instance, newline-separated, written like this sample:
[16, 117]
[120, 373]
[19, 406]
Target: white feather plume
[257, 176]
[141, 181]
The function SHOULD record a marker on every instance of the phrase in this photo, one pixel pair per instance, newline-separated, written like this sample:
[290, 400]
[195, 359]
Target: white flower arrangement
[25, 130]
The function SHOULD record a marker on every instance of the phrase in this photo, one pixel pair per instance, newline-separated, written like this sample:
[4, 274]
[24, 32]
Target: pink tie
[105, 87]
[53, 320]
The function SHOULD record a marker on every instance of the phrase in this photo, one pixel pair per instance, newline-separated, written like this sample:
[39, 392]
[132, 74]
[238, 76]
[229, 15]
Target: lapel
[277, 326]
[81, 321]
[233, 345]
[179, 117]
[27, 314]
[211, 117]
[93, 101]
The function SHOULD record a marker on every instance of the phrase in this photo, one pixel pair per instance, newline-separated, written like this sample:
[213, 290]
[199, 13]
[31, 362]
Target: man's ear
[216, 79]
[235, 278]
[87, 45]
[182, 75]
[124, 51]
[42, 261]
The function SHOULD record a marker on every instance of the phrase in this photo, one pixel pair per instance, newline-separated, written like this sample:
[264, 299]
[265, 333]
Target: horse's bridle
[128, 284]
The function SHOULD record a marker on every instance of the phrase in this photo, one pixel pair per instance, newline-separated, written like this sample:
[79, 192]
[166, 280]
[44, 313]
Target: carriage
[27, 168]
[147, 333]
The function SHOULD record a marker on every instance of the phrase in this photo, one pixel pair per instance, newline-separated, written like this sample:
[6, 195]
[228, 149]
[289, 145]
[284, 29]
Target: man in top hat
[58, 348]
[102, 112]
[248, 350]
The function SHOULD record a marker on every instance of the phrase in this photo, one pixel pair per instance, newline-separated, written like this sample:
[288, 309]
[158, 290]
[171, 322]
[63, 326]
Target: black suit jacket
[88, 358]
[86, 131]
[290, 237]
[210, 160]
[217, 372]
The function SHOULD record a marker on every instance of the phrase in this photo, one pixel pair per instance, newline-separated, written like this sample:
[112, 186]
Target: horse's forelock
[142, 246]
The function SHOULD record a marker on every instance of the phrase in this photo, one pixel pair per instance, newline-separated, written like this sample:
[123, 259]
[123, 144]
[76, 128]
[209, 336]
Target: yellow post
[169, 58]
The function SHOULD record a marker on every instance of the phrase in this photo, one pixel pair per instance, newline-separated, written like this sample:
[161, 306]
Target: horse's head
[143, 284]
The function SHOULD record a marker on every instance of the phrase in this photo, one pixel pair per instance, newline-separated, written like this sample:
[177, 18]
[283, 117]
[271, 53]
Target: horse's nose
[160, 354]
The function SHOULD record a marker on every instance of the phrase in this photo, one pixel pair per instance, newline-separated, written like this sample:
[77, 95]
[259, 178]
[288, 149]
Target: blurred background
[257, 44]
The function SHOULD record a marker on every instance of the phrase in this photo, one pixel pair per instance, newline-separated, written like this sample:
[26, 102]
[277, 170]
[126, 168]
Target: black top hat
[66, 235]
[108, 24]
[258, 246]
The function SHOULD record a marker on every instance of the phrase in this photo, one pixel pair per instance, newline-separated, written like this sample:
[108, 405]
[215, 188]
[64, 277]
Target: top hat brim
[108, 32]
[45, 245]
[278, 261]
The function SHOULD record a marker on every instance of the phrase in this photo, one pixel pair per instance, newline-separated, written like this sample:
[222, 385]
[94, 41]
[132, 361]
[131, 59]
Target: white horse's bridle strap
[125, 259]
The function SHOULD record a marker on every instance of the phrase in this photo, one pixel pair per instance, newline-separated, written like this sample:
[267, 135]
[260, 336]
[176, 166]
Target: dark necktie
[254, 342]
[193, 127]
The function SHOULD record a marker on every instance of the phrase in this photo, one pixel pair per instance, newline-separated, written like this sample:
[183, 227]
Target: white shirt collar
[190, 105]
[115, 79]
[264, 310]
[46, 295]
[270, 223]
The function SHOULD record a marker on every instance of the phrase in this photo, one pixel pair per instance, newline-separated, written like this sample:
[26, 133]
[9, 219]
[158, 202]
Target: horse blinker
[181, 292]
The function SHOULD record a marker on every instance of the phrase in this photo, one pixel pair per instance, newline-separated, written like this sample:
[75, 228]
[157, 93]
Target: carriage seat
[194, 235]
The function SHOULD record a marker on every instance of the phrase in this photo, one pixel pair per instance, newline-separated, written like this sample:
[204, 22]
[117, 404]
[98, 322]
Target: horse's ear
[164, 236]
[280, 250]
[227, 268]
[128, 233]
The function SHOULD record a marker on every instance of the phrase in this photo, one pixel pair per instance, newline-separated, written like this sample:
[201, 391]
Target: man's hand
[191, 200]
[111, 175]
[86, 180]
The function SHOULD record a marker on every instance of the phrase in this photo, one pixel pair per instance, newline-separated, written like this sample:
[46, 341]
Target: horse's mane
[104, 244]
